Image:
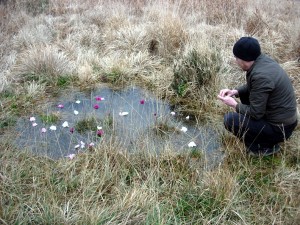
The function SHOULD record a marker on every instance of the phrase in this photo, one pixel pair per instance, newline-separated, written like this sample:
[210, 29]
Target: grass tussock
[43, 63]
[180, 50]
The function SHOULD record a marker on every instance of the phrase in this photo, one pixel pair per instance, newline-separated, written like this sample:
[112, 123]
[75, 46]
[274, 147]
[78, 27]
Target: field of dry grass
[180, 50]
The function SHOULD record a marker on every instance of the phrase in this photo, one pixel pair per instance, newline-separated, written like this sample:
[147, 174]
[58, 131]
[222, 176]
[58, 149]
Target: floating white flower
[173, 113]
[34, 124]
[71, 156]
[43, 130]
[82, 144]
[123, 113]
[52, 127]
[183, 129]
[78, 102]
[99, 128]
[192, 144]
[65, 124]
[76, 112]
[76, 146]
[32, 119]
[187, 118]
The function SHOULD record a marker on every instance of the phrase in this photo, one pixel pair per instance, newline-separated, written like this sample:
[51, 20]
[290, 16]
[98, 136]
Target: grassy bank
[180, 50]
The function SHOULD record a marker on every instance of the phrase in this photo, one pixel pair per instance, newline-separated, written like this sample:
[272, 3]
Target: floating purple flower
[60, 106]
[100, 133]
[43, 130]
[72, 130]
[96, 106]
[142, 102]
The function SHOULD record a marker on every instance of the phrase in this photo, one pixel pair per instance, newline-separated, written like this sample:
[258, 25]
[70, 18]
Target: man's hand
[227, 92]
[228, 100]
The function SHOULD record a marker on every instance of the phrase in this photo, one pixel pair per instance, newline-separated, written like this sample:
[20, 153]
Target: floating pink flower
[43, 130]
[32, 119]
[92, 144]
[142, 102]
[72, 130]
[98, 98]
[100, 133]
[71, 156]
[60, 106]
[96, 106]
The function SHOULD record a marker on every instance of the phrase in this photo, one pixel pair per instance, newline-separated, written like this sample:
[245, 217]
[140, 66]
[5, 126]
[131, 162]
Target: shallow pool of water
[133, 118]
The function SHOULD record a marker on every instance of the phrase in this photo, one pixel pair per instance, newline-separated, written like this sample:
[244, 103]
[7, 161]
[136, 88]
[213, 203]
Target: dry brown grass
[138, 42]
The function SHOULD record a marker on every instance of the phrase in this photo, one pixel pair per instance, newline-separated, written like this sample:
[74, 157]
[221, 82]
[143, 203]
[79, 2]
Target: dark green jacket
[271, 93]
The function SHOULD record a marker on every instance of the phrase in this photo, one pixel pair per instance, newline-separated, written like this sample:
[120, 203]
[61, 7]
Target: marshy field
[109, 113]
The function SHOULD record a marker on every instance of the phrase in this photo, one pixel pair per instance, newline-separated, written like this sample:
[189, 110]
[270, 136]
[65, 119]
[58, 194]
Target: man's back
[270, 87]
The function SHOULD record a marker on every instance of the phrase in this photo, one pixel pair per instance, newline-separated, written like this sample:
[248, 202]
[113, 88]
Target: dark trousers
[256, 133]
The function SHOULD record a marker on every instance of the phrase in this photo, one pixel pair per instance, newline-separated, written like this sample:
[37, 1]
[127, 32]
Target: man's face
[241, 63]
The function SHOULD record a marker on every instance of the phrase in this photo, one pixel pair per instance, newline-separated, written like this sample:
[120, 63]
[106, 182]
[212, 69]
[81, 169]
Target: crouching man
[267, 111]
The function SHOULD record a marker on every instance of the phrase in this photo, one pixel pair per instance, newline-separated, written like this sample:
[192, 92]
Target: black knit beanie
[247, 49]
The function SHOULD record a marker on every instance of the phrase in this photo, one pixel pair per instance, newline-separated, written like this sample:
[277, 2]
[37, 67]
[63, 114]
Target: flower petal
[76, 112]
[98, 98]
[71, 156]
[173, 113]
[77, 102]
[96, 106]
[92, 144]
[32, 119]
[192, 144]
[60, 106]
[183, 129]
[123, 113]
[52, 127]
[65, 124]
[100, 133]
[187, 118]
[43, 130]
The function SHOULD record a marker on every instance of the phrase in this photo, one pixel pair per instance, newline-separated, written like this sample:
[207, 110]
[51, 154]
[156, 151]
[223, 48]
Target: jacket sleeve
[261, 87]
[242, 90]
